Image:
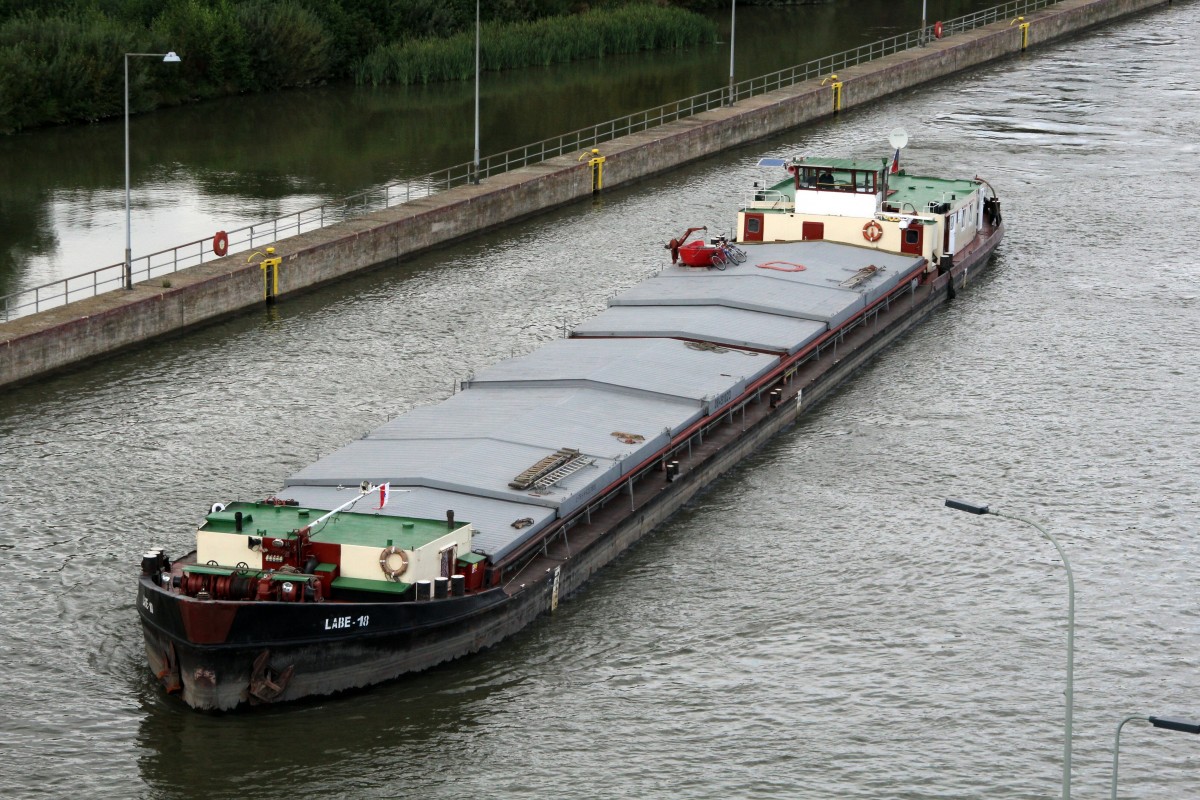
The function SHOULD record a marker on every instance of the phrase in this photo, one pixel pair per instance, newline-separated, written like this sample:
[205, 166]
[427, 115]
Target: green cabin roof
[348, 527]
[846, 164]
[908, 193]
[914, 193]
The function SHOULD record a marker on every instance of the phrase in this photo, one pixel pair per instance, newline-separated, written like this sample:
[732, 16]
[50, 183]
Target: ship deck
[666, 354]
[810, 381]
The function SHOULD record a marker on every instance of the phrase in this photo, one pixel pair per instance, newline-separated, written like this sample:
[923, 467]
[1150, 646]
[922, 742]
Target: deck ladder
[544, 467]
[556, 475]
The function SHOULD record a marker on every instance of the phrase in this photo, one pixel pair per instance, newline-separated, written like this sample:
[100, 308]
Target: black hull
[213, 652]
[321, 648]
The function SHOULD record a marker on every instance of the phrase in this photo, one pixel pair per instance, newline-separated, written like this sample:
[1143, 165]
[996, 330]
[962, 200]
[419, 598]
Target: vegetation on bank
[61, 60]
[554, 40]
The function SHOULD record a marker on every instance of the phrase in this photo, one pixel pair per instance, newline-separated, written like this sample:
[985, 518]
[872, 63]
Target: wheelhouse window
[859, 181]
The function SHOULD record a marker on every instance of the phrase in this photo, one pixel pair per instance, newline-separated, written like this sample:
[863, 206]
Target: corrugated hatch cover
[616, 401]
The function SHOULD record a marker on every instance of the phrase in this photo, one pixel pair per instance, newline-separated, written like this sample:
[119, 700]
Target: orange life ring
[937, 30]
[221, 243]
[872, 231]
[392, 573]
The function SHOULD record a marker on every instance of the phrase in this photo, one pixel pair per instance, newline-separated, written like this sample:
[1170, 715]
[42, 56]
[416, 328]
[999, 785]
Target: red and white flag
[896, 163]
[383, 496]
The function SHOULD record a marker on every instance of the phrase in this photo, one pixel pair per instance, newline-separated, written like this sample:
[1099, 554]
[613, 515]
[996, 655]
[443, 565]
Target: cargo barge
[452, 527]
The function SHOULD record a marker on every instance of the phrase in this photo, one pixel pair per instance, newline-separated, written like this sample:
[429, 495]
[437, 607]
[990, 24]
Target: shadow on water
[433, 719]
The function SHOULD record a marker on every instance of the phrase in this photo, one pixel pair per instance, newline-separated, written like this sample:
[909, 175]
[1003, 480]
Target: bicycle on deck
[727, 253]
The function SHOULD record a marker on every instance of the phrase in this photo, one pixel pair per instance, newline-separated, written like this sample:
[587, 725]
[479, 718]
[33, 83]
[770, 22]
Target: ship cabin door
[912, 239]
[753, 228]
[448, 561]
[948, 240]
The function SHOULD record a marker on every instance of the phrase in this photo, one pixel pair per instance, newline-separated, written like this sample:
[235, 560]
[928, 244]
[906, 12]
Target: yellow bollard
[270, 267]
[836, 85]
[1024, 31]
[596, 162]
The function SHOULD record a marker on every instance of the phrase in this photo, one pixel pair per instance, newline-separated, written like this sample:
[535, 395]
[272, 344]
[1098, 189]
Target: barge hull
[223, 674]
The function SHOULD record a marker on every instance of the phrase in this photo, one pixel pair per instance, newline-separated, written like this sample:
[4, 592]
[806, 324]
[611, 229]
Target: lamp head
[963, 505]
[1175, 725]
[171, 58]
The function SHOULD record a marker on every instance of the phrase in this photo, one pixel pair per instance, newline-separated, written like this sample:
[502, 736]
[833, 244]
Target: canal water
[233, 162]
[815, 625]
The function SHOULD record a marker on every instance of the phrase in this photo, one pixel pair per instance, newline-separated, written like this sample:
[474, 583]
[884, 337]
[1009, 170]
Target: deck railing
[165, 262]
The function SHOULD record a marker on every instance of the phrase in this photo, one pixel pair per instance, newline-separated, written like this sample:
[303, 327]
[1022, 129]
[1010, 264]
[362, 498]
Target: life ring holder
[937, 30]
[385, 559]
[872, 231]
[221, 243]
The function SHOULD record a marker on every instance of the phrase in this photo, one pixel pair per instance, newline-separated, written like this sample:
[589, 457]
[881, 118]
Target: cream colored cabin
[366, 546]
[861, 202]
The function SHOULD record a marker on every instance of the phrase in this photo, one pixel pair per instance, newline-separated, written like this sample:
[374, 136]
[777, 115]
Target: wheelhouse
[863, 202]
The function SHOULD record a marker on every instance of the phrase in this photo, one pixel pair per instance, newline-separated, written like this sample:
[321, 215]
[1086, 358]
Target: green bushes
[286, 45]
[228, 48]
[210, 41]
[61, 69]
[61, 60]
[555, 40]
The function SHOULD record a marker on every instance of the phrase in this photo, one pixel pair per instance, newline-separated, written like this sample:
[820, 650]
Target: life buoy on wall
[385, 562]
[221, 243]
[937, 30]
[872, 231]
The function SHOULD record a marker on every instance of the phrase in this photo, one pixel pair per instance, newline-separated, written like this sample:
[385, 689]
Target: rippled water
[817, 624]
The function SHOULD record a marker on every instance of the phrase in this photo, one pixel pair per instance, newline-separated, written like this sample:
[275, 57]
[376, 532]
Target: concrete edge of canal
[57, 339]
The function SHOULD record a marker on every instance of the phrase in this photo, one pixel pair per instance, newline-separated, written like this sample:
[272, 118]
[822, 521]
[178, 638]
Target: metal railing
[165, 262]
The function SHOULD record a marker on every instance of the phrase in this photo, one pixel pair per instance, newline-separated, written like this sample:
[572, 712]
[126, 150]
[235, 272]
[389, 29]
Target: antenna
[898, 138]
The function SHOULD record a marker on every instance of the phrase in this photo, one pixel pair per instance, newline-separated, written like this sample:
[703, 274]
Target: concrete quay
[75, 334]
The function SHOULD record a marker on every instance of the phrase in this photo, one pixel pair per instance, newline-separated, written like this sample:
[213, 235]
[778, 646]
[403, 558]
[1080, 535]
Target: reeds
[553, 40]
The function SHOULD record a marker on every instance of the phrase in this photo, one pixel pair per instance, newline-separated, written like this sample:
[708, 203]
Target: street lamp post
[475, 174]
[732, 27]
[1167, 724]
[921, 37]
[170, 58]
[973, 508]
